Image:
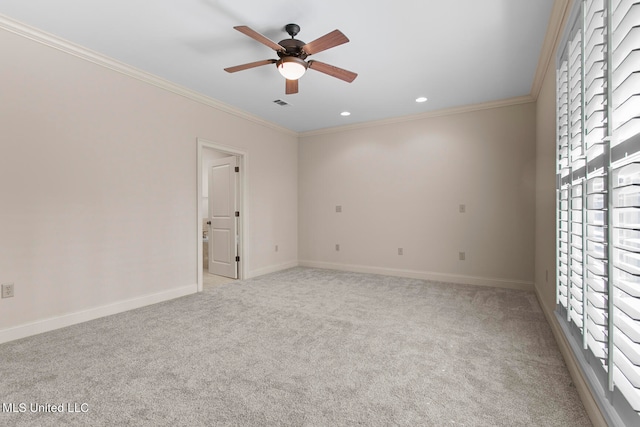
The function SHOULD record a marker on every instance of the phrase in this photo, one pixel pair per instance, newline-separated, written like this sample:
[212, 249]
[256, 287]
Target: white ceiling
[455, 52]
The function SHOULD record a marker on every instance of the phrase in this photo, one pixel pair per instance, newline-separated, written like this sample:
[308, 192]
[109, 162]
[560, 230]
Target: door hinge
[237, 168]
[237, 259]
[237, 213]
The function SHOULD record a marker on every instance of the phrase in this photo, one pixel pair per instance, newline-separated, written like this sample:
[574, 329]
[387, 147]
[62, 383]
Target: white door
[223, 223]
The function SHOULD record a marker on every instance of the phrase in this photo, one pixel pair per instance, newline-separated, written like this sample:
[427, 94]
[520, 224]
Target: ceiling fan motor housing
[292, 47]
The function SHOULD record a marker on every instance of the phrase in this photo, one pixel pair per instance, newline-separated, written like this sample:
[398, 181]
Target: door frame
[242, 156]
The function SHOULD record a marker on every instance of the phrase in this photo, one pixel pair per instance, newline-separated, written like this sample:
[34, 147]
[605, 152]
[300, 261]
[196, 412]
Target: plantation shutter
[625, 65]
[598, 198]
[596, 336]
[625, 139]
[578, 164]
[564, 172]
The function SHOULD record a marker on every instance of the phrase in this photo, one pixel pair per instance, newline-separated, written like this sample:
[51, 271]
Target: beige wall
[545, 191]
[98, 183]
[401, 184]
[98, 186]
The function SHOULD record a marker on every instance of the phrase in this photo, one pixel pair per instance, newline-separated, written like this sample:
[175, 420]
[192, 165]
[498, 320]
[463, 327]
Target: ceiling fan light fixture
[291, 68]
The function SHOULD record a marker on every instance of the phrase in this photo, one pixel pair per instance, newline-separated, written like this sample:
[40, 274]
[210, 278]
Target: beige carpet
[302, 347]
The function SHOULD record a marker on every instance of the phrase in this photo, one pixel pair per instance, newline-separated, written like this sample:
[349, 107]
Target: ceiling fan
[293, 52]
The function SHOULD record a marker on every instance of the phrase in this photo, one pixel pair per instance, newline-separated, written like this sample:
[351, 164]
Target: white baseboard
[423, 275]
[272, 268]
[57, 322]
[584, 391]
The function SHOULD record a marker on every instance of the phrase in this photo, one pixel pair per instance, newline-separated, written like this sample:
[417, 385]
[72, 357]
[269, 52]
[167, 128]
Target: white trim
[423, 275]
[68, 47]
[551, 37]
[559, 13]
[243, 229]
[272, 269]
[413, 117]
[64, 320]
[589, 402]
[44, 38]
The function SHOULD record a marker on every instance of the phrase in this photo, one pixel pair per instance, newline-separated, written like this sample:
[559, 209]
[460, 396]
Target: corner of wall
[272, 269]
[554, 29]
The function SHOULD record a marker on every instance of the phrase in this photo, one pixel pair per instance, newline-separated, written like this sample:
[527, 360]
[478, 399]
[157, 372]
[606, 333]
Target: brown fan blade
[333, 71]
[332, 39]
[249, 65]
[259, 37]
[292, 87]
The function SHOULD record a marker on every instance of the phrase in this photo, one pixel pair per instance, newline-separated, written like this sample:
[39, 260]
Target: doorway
[231, 250]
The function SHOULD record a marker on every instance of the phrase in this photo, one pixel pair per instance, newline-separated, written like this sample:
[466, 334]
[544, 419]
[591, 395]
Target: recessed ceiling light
[421, 99]
[345, 113]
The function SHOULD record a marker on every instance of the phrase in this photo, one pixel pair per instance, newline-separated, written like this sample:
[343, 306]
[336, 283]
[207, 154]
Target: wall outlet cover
[7, 290]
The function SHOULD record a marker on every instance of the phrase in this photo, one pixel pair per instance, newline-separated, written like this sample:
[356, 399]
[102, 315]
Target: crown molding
[413, 117]
[559, 14]
[78, 51]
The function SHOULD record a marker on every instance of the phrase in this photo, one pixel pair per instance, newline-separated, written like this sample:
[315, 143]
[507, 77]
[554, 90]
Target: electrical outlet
[276, 248]
[337, 247]
[7, 290]
[339, 209]
[463, 208]
[400, 251]
[462, 256]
